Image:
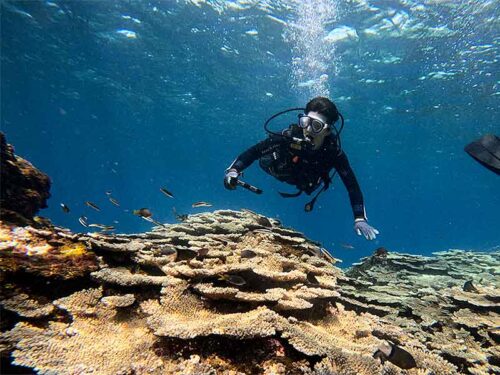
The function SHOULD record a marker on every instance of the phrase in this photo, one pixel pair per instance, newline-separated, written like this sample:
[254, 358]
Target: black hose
[276, 115]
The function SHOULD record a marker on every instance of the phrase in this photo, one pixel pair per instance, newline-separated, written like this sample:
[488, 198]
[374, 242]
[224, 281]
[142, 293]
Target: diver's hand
[362, 227]
[230, 179]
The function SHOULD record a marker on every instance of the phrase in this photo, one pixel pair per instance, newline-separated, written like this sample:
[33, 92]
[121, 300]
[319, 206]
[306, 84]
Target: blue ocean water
[131, 96]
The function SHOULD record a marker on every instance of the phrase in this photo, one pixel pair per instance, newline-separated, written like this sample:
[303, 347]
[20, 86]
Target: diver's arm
[358, 208]
[351, 183]
[255, 152]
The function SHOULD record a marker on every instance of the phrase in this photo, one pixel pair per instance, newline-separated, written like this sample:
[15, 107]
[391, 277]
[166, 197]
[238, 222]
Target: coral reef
[234, 292]
[51, 252]
[24, 189]
[203, 295]
[449, 301]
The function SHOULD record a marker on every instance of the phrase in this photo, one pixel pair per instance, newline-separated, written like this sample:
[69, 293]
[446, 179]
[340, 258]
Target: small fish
[83, 221]
[346, 245]
[326, 254]
[233, 279]
[42, 221]
[169, 253]
[92, 205]
[381, 252]
[248, 253]
[114, 201]
[166, 192]
[396, 355]
[151, 220]
[102, 227]
[108, 193]
[64, 208]
[179, 217]
[312, 278]
[264, 231]
[143, 212]
[470, 287]
[201, 204]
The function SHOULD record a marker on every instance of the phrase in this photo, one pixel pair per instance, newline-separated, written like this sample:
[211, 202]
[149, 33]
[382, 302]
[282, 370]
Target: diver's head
[316, 122]
[325, 107]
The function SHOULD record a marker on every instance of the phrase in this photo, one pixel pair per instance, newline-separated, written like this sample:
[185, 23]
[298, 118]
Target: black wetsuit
[299, 165]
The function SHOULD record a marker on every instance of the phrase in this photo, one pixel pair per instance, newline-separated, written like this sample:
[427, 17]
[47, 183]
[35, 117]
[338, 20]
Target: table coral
[204, 294]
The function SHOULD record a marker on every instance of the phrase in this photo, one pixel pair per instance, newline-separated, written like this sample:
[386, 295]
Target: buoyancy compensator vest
[294, 163]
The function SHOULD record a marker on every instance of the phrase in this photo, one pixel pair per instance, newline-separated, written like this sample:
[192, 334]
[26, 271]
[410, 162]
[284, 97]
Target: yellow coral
[73, 250]
[5, 234]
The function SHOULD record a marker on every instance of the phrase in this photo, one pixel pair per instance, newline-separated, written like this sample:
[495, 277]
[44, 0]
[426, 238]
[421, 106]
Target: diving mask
[317, 125]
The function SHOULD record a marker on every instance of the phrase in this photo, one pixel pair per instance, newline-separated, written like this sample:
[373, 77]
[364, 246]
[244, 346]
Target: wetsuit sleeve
[255, 152]
[349, 179]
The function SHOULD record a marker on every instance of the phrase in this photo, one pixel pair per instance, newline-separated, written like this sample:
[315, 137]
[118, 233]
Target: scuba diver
[303, 155]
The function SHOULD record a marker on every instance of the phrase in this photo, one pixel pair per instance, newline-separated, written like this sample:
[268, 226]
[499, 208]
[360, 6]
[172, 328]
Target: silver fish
[83, 221]
[346, 246]
[151, 220]
[114, 201]
[201, 204]
[166, 192]
[102, 226]
[92, 205]
[326, 254]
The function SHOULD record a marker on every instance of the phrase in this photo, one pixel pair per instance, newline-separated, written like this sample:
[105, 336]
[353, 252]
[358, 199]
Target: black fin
[486, 151]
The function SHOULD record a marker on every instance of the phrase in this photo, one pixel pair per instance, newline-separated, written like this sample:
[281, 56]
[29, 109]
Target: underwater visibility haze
[129, 97]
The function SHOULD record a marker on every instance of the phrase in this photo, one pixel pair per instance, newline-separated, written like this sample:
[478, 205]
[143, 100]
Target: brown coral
[24, 189]
[43, 252]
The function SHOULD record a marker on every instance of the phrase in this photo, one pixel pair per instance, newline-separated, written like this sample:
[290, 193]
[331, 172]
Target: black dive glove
[230, 179]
